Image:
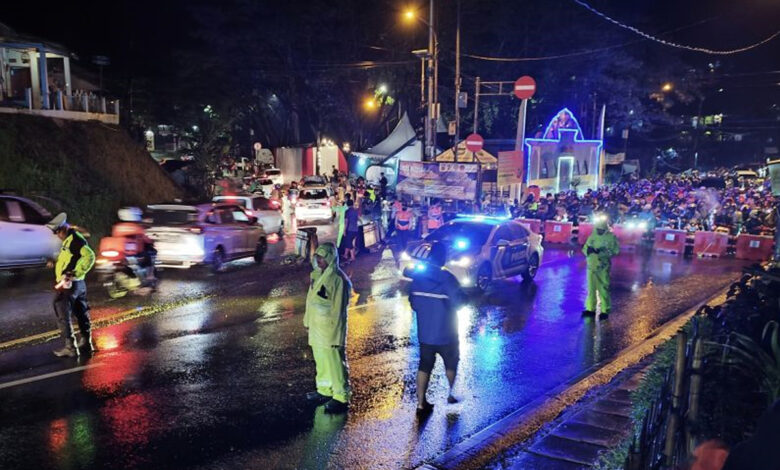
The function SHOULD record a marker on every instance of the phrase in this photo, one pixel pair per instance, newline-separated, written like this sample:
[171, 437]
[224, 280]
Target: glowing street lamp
[382, 89]
[409, 14]
[667, 87]
[369, 104]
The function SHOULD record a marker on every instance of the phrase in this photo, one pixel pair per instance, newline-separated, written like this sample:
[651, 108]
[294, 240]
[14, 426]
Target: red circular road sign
[474, 142]
[525, 87]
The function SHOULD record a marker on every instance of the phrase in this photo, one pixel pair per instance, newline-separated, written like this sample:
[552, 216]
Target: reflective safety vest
[403, 220]
[435, 219]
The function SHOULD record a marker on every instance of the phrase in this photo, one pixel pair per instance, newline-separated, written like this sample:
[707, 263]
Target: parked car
[481, 249]
[267, 211]
[314, 203]
[205, 234]
[275, 175]
[25, 241]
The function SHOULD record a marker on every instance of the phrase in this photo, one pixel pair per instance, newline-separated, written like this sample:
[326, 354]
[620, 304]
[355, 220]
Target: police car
[480, 249]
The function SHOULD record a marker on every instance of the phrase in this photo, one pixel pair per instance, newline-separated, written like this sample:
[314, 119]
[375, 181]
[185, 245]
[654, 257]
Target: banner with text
[510, 168]
[438, 180]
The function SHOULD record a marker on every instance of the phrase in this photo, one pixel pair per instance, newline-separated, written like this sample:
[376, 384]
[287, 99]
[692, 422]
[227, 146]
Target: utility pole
[430, 128]
[476, 106]
[457, 76]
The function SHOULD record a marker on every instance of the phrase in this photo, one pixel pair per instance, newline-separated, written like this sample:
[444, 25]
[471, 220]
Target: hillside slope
[87, 169]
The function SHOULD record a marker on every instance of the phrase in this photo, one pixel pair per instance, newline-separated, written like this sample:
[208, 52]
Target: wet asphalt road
[219, 383]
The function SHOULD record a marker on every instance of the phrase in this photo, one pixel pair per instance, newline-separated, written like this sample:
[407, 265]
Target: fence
[668, 434]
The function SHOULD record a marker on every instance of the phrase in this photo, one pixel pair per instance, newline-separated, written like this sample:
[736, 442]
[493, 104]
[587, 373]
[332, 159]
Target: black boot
[588, 313]
[85, 343]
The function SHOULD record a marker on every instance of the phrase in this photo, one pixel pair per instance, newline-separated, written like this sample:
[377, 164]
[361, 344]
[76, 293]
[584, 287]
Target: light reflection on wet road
[220, 383]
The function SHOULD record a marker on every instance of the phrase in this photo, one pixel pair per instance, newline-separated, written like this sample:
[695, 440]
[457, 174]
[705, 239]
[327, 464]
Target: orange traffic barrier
[670, 241]
[628, 235]
[557, 232]
[754, 247]
[710, 244]
[534, 224]
[584, 231]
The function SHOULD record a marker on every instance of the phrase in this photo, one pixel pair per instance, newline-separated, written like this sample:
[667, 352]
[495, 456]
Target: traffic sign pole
[525, 87]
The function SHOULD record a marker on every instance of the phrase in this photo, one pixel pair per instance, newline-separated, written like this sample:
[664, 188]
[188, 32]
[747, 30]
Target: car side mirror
[502, 242]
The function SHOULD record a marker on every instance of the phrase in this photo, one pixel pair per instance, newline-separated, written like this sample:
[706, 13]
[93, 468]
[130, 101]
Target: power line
[674, 44]
[584, 52]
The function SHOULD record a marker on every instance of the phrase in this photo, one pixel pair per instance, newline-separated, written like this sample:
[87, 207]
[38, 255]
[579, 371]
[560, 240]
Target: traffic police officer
[599, 249]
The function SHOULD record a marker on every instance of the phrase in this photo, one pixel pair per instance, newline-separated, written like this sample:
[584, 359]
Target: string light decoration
[674, 44]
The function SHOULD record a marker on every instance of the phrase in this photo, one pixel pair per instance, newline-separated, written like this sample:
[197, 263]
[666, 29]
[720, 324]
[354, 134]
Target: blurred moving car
[480, 249]
[275, 175]
[266, 186]
[267, 211]
[25, 241]
[314, 203]
[206, 234]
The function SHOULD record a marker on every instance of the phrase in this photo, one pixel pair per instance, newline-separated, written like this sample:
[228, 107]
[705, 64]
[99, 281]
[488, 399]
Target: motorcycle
[124, 262]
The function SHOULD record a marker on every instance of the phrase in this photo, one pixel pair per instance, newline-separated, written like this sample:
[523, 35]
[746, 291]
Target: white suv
[25, 241]
[275, 175]
[210, 234]
[314, 203]
[267, 211]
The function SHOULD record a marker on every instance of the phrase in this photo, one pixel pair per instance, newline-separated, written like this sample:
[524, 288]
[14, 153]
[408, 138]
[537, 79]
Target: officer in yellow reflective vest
[75, 260]
[599, 249]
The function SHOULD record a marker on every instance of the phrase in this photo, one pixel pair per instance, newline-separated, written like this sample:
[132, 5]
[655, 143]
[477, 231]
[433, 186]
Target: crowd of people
[684, 201]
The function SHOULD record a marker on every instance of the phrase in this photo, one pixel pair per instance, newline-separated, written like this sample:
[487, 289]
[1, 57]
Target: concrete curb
[477, 450]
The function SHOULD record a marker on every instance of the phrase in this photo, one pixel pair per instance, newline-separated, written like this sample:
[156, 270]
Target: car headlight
[405, 256]
[462, 262]
[642, 226]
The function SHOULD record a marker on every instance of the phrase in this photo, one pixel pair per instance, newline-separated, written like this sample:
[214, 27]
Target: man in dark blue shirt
[435, 296]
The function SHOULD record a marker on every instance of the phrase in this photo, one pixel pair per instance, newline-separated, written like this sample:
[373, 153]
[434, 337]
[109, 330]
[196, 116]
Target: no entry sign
[525, 87]
[474, 143]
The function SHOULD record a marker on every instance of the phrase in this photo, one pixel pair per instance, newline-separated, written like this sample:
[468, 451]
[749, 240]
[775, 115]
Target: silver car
[25, 241]
[480, 250]
[206, 234]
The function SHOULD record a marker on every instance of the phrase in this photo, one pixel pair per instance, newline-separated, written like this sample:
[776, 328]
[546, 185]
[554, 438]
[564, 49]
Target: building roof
[10, 38]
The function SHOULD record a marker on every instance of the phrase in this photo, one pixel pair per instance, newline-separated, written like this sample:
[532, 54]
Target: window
[33, 215]
[14, 211]
[3, 211]
[211, 218]
[262, 204]
[225, 216]
[503, 233]
[314, 194]
[168, 217]
[518, 232]
[239, 215]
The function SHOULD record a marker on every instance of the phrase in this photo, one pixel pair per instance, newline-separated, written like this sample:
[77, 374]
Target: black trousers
[72, 303]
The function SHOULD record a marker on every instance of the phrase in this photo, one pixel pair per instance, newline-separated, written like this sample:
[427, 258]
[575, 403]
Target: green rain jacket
[608, 247]
[327, 301]
[75, 257]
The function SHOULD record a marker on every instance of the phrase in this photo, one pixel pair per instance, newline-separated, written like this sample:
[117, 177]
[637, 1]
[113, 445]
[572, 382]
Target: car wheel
[218, 261]
[260, 250]
[484, 277]
[529, 273]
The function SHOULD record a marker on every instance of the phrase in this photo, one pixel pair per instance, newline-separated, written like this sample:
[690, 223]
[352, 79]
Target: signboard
[438, 180]
[510, 168]
[614, 158]
[774, 176]
[474, 143]
[525, 87]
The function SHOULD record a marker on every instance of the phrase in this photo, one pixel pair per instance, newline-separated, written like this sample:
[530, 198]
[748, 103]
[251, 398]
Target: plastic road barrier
[585, 229]
[710, 244]
[754, 247]
[670, 241]
[557, 232]
[534, 224]
[628, 236]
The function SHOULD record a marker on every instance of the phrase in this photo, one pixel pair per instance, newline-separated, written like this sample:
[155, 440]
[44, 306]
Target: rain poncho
[599, 265]
[340, 211]
[326, 319]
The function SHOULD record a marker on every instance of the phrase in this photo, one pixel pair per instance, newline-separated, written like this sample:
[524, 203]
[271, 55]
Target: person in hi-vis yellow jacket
[599, 249]
[326, 320]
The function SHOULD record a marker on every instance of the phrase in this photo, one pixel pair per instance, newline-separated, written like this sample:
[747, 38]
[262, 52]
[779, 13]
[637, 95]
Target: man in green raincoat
[326, 320]
[340, 210]
[599, 249]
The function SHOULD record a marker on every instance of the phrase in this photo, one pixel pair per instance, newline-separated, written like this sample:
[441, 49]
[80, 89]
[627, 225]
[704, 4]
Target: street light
[432, 72]
[409, 14]
[369, 104]
[667, 87]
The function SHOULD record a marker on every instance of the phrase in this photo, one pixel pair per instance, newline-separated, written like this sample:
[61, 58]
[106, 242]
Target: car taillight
[109, 253]
[197, 230]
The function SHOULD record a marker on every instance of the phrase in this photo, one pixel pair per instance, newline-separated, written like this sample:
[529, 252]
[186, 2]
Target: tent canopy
[401, 143]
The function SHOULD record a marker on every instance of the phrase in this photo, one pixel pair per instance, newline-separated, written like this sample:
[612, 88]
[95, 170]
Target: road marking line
[118, 317]
[49, 375]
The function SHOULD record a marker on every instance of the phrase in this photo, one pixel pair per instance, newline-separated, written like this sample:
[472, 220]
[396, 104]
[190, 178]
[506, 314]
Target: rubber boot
[69, 350]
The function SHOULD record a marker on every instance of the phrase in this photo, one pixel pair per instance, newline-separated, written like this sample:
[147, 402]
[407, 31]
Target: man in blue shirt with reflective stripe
[435, 296]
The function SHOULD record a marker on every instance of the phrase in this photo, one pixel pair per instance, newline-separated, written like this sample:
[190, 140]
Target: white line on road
[50, 375]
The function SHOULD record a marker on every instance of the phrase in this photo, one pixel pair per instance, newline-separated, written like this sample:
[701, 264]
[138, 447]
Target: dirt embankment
[87, 169]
